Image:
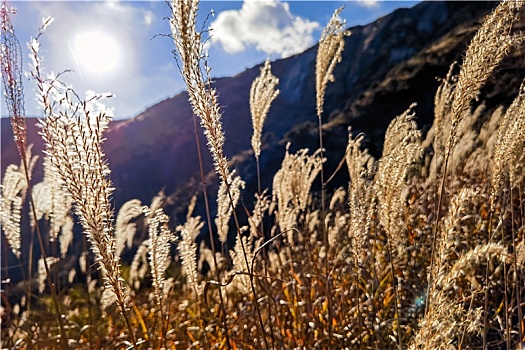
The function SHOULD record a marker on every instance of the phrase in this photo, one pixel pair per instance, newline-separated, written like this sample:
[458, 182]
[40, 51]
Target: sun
[96, 51]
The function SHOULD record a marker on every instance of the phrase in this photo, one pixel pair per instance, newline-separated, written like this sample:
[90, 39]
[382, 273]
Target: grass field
[424, 249]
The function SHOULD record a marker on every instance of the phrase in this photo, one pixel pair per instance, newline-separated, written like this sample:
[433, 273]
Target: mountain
[386, 66]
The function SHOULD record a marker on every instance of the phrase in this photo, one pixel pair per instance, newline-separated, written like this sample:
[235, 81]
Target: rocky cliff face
[157, 149]
[386, 66]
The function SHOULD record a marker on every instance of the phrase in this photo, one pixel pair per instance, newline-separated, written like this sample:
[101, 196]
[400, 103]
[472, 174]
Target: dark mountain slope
[157, 148]
[386, 66]
[385, 84]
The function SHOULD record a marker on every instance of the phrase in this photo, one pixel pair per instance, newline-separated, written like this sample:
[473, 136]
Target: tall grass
[414, 253]
[11, 62]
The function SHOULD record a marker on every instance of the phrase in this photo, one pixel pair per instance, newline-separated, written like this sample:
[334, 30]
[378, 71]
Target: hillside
[158, 145]
[386, 65]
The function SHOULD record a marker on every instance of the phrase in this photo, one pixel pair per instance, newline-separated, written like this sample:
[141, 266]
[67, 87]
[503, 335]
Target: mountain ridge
[386, 65]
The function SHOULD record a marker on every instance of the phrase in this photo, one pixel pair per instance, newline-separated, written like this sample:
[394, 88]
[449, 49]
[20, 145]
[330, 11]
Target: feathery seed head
[227, 199]
[53, 202]
[42, 274]
[262, 93]
[188, 249]
[159, 250]
[331, 46]
[362, 168]
[401, 152]
[262, 204]
[11, 66]
[139, 264]
[241, 282]
[202, 96]
[125, 227]
[509, 145]
[489, 46]
[72, 131]
[292, 184]
[14, 186]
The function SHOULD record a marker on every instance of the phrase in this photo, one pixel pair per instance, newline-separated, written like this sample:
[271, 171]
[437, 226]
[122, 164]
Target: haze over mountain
[386, 66]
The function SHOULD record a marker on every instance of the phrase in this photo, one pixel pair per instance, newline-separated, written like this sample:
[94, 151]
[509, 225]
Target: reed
[419, 251]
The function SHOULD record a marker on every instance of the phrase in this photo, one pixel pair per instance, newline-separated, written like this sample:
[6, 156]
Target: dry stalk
[203, 99]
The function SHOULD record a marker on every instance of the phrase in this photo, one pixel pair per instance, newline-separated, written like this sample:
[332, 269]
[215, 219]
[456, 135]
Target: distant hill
[386, 66]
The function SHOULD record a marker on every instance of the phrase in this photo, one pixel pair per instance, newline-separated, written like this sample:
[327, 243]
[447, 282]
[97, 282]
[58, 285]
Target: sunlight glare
[96, 52]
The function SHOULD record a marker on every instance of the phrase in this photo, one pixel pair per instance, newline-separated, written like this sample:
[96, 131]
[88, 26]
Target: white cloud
[268, 26]
[148, 18]
[369, 3]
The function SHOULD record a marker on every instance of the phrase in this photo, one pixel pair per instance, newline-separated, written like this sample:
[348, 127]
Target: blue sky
[121, 47]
